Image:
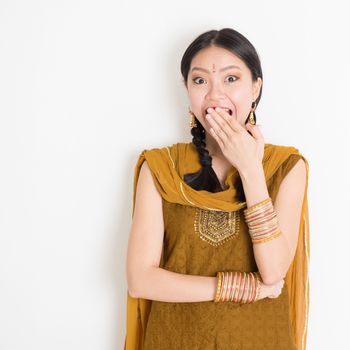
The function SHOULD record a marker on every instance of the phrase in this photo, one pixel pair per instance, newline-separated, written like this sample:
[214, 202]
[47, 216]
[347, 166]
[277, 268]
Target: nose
[215, 91]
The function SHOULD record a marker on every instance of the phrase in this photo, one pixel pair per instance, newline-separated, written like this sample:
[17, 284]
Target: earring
[252, 116]
[193, 122]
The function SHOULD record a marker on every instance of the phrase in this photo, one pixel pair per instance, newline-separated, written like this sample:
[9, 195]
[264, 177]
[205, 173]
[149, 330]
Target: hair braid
[205, 178]
[198, 140]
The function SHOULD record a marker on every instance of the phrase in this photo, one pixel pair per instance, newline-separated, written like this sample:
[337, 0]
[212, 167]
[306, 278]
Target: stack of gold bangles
[244, 287]
[262, 222]
[237, 286]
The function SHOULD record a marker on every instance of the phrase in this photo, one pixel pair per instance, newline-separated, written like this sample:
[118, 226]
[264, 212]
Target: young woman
[219, 223]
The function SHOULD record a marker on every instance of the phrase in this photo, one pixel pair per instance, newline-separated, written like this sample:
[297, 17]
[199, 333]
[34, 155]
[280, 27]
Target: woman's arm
[274, 257]
[163, 285]
[144, 276]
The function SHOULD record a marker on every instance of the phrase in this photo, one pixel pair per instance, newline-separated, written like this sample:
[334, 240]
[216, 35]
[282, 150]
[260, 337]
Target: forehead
[214, 58]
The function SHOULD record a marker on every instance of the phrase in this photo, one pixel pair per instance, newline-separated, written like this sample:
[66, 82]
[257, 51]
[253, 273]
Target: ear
[256, 88]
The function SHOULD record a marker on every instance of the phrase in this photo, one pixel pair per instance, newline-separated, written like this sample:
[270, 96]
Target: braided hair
[230, 39]
[205, 178]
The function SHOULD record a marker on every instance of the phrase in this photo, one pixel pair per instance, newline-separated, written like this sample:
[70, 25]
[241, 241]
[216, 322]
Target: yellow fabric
[167, 168]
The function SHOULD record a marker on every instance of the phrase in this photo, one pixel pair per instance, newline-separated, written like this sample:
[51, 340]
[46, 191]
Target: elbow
[138, 282]
[132, 293]
[133, 288]
[270, 279]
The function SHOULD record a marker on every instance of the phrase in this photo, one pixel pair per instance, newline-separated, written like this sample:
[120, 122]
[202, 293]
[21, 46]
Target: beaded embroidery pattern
[216, 227]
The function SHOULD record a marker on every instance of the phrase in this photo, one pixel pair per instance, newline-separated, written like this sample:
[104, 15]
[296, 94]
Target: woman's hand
[271, 291]
[240, 148]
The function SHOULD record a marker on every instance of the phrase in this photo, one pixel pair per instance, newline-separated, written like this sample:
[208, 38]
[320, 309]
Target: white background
[85, 86]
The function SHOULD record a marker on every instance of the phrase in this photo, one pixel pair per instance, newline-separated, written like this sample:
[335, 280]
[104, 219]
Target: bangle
[218, 287]
[262, 221]
[259, 282]
[237, 286]
[257, 205]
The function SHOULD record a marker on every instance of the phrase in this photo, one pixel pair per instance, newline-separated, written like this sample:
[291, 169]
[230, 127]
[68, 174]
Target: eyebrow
[222, 69]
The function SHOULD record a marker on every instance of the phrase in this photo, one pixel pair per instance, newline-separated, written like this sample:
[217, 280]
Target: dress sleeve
[275, 181]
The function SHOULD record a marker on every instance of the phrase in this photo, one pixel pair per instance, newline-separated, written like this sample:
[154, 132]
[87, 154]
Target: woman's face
[211, 82]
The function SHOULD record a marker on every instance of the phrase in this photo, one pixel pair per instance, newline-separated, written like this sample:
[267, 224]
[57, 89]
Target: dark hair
[230, 39]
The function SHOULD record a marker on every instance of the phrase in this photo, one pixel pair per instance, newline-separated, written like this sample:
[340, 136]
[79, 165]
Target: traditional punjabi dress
[205, 232]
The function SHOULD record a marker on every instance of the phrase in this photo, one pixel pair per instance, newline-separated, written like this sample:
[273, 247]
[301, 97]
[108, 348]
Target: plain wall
[85, 86]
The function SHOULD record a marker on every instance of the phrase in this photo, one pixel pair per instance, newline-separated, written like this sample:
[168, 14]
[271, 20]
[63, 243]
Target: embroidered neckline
[216, 227]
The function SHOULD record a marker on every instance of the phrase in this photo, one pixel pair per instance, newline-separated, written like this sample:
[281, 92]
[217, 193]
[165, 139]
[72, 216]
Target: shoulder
[168, 154]
[285, 152]
[288, 164]
[298, 171]
[278, 148]
[146, 181]
[294, 166]
[152, 161]
[166, 147]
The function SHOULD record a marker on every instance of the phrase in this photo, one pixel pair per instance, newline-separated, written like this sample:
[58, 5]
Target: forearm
[163, 285]
[270, 255]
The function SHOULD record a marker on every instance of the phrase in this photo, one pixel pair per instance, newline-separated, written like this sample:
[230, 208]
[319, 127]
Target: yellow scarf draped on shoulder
[167, 166]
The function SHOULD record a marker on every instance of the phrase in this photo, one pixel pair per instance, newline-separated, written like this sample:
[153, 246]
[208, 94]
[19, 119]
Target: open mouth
[228, 110]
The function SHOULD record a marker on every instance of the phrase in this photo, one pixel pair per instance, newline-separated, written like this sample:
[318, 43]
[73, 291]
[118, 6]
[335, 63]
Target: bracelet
[218, 286]
[237, 286]
[262, 221]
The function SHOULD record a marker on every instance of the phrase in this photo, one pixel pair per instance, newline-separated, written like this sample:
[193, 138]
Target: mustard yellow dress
[202, 241]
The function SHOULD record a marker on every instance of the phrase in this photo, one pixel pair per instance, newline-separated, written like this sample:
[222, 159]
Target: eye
[234, 77]
[231, 81]
[194, 80]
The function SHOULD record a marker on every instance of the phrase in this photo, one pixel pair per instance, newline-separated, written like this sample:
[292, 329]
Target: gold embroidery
[216, 227]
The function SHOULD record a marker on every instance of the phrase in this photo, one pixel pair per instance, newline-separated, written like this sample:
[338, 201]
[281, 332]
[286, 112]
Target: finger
[221, 124]
[217, 130]
[229, 119]
[216, 136]
[254, 129]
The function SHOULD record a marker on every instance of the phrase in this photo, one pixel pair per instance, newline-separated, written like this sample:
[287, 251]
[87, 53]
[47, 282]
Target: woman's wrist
[252, 171]
[254, 184]
[237, 286]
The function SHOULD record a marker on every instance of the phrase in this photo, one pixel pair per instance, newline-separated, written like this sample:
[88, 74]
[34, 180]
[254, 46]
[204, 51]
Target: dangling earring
[193, 122]
[252, 116]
